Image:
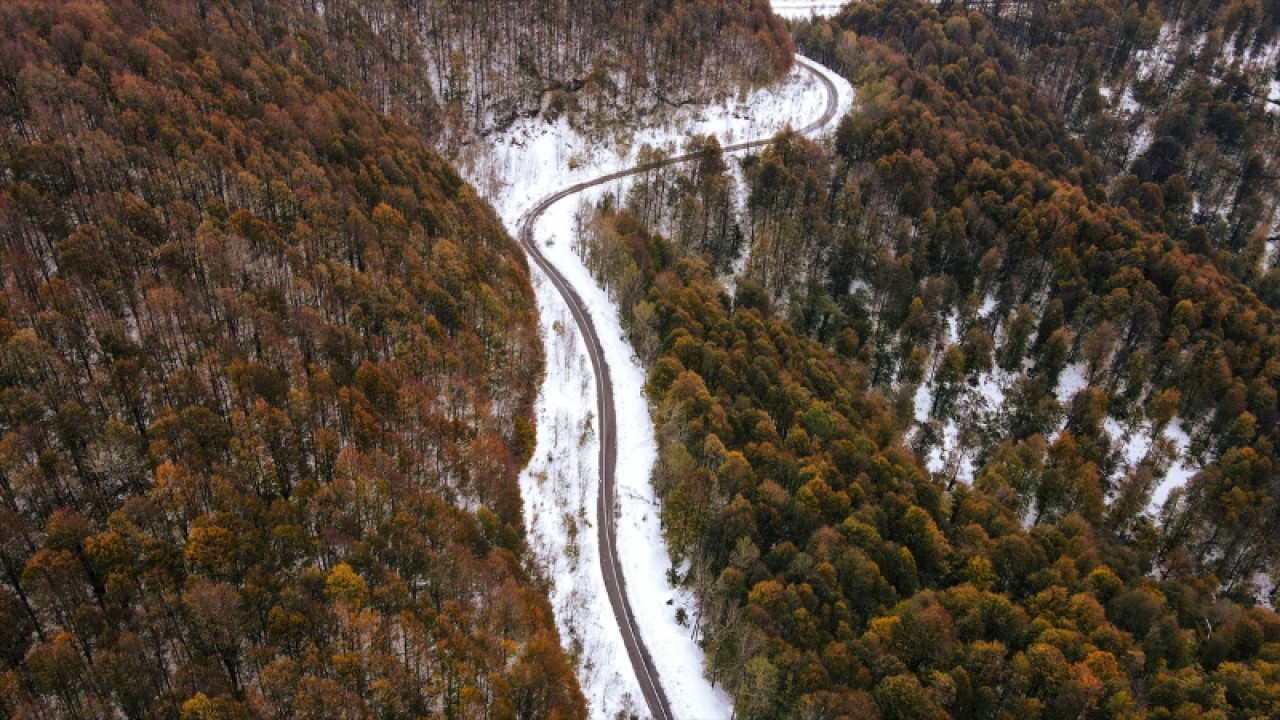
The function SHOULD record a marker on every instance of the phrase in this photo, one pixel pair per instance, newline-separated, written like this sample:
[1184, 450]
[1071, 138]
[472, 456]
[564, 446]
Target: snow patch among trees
[805, 9]
[1180, 472]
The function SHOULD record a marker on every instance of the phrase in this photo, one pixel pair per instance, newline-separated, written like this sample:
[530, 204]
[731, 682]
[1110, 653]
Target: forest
[984, 217]
[267, 380]
[268, 365]
[595, 62]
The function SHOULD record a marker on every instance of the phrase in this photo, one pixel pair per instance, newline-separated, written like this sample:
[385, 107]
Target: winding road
[615, 585]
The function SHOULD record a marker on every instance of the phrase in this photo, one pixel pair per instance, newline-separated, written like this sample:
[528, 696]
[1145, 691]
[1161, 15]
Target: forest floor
[559, 487]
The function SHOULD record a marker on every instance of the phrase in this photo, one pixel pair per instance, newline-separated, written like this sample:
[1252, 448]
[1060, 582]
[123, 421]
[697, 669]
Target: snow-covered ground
[560, 488]
[1132, 443]
[801, 9]
[982, 402]
[526, 163]
[1071, 380]
[532, 158]
[1181, 471]
[977, 405]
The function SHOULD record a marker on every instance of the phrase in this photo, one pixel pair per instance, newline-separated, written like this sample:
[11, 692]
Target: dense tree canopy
[267, 363]
[961, 227]
[266, 379]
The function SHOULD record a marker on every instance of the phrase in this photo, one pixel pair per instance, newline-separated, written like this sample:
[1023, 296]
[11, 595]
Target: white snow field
[528, 162]
[801, 9]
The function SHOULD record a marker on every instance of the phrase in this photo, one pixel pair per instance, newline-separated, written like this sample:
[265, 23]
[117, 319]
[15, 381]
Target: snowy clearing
[521, 166]
[1071, 380]
[804, 9]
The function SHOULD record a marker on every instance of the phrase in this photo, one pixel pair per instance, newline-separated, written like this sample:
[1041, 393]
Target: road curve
[606, 529]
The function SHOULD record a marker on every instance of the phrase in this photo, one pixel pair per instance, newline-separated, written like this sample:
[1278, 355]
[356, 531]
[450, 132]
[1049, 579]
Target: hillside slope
[956, 236]
[268, 363]
[268, 370]
[481, 66]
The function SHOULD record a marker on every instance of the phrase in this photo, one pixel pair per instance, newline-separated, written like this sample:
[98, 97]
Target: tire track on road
[606, 528]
